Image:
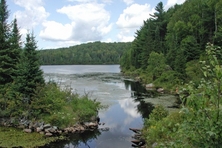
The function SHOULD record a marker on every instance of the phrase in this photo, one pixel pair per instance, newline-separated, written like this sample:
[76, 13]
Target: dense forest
[180, 49]
[169, 44]
[89, 53]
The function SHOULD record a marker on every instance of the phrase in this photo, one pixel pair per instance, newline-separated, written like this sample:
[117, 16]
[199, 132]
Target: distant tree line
[169, 44]
[89, 53]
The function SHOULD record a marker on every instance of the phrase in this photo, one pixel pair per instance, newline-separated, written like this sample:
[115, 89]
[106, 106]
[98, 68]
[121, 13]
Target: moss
[11, 137]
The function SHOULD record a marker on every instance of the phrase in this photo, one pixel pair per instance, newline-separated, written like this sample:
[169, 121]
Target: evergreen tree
[29, 73]
[6, 61]
[16, 43]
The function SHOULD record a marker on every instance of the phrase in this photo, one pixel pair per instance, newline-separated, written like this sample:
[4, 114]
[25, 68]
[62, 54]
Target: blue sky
[62, 23]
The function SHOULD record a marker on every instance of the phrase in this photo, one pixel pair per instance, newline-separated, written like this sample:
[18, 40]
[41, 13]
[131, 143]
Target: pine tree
[29, 74]
[6, 61]
[15, 40]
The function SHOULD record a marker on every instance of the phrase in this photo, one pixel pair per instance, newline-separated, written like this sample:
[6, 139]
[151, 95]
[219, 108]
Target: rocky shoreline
[50, 130]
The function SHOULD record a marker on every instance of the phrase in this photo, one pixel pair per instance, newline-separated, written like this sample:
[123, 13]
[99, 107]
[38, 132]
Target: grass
[11, 137]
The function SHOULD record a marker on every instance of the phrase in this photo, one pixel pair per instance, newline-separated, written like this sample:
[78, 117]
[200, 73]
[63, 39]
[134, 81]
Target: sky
[64, 23]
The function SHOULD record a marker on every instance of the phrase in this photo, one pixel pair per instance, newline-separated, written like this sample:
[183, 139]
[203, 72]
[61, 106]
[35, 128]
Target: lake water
[106, 84]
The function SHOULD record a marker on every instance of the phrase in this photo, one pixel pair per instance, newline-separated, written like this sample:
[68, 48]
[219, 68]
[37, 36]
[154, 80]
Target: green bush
[160, 127]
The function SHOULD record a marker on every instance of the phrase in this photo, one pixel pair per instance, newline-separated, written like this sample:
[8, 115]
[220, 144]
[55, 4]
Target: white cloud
[56, 31]
[61, 44]
[88, 1]
[34, 13]
[129, 107]
[131, 19]
[171, 3]
[128, 2]
[82, 1]
[89, 22]
[126, 35]
[133, 16]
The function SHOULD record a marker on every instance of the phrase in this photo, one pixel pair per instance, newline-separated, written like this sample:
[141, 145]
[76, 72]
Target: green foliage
[168, 79]
[156, 67]
[160, 126]
[85, 108]
[180, 34]
[62, 107]
[158, 113]
[8, 56]
[29, 73]
[193, 71]
[199, 123]
[90, 53]
[11, 137]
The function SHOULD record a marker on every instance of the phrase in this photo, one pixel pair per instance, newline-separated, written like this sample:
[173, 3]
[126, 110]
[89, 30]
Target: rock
[160, 90]
[35, 125]
[60, 132]
[39, 129]
[81, 128]
[91, 124]
[27, 130]
[48, 134]
[42, 133]
[138, 79]
[47, 130]
[151, 85]
[47, 126]
[53, 129]
[31, 125]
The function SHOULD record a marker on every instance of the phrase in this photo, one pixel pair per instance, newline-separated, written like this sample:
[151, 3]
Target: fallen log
[135, 130]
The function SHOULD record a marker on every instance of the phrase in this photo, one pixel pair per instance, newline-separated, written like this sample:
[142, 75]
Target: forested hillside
[90, 53]
[170, 43]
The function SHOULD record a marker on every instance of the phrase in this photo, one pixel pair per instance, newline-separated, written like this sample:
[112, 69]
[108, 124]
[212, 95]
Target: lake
[125, 109]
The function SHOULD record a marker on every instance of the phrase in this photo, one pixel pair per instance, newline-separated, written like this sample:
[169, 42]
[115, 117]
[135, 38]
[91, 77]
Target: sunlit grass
[11, 137]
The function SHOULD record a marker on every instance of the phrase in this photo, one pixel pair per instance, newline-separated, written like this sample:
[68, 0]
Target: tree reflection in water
[75, 140]
[138, 93]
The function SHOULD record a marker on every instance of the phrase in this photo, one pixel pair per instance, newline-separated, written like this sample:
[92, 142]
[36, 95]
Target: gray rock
[160, 90]
[27, 130]
[39, 129]
[48, 134]
[47, 126]
[47, 130]
[151, 85]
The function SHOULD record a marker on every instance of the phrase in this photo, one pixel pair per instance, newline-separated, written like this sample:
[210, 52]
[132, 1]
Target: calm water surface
[106, 84]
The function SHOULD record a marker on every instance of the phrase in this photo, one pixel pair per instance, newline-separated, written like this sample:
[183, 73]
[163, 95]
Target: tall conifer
[6, 61]
[29, 74]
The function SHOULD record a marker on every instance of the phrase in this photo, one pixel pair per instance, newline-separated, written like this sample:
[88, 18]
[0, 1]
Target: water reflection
[85, 139]
[125, 99]
[138, 92]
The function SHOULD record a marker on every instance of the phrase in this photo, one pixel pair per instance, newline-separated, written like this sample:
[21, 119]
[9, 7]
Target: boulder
[47, 130]
[39, 129]
[151, 85]
[48, 134]
[47, 126]
[27, 130]
[160, 90]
